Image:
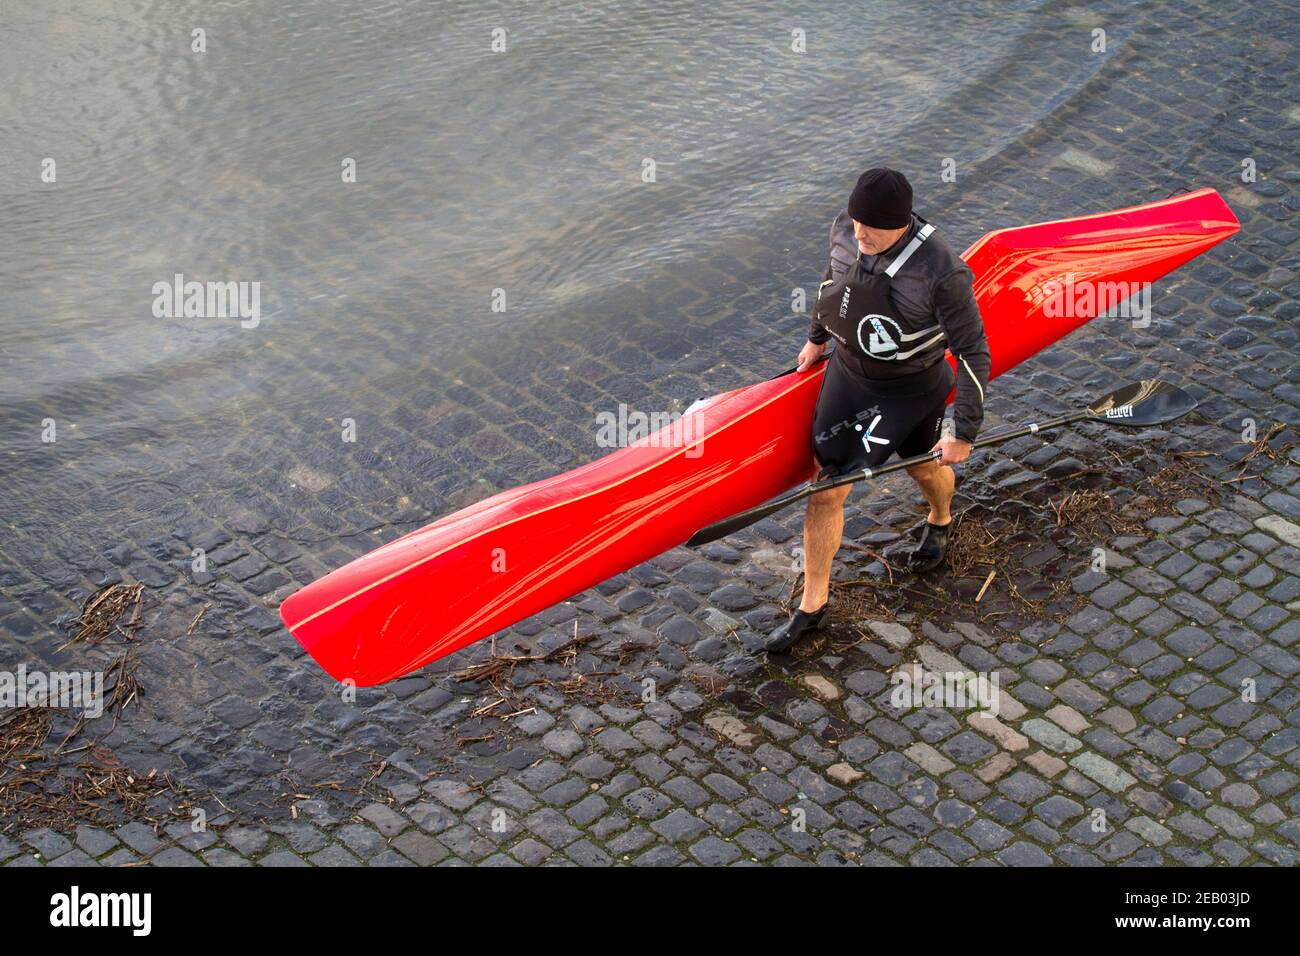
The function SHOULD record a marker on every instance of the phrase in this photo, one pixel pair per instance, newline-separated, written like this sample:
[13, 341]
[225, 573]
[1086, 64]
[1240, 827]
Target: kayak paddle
[1137, 405]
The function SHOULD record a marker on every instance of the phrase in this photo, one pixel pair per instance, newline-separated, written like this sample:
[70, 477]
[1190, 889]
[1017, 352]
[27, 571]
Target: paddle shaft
[730, 525]
[1033, 428]
[1141, 404]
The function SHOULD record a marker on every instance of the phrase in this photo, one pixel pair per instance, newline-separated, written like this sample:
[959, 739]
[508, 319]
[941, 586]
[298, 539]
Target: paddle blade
[1149, 402]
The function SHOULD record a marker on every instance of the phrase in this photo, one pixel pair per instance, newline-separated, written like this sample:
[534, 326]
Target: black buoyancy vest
[858, 311]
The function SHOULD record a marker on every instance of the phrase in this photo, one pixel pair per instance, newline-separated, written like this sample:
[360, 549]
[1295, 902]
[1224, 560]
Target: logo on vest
[880, 342]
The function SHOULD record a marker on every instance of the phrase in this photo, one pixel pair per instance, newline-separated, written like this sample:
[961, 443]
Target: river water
[477, 169]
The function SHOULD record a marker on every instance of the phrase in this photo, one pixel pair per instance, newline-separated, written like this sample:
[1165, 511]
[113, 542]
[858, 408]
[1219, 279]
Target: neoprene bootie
[801, 622]
[931, 550]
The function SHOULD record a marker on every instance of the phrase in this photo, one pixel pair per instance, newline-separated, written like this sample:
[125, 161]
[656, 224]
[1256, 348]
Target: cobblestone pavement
[1123, 735]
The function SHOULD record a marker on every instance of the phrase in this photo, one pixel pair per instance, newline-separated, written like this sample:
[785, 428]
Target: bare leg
[937, 483]
[822, 530]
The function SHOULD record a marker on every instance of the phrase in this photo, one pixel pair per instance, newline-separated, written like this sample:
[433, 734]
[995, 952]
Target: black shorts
[860, 423]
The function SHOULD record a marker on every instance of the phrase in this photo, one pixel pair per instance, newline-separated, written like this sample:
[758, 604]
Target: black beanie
[882, 199]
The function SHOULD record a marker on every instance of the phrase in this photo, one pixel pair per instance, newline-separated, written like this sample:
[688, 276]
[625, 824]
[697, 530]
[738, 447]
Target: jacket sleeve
[817, 334]
[958, 315]
[843, 248]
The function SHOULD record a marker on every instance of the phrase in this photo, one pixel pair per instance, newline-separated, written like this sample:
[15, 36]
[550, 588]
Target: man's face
[873, 241]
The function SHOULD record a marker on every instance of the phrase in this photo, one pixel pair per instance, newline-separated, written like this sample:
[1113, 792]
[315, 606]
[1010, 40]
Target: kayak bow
[470, 574]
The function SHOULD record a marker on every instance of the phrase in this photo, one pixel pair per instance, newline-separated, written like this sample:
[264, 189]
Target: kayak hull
[482, 569]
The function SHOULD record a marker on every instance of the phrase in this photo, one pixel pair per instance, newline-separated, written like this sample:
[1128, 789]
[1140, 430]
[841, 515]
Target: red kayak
[482, 569]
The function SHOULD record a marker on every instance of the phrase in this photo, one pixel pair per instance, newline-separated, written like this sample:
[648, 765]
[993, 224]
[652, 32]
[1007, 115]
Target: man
[894, 298]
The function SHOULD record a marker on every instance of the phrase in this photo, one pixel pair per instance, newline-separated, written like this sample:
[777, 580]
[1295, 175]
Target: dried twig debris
[101, 614]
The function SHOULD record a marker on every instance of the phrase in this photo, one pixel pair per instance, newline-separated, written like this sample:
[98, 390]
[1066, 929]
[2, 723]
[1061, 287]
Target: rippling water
[476, 170]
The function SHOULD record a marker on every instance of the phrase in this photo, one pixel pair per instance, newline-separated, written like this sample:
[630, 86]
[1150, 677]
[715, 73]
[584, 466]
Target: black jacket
[933, 286]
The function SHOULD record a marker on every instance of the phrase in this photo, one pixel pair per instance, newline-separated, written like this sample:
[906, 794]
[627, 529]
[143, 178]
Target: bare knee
[926, 471]
[830, 498]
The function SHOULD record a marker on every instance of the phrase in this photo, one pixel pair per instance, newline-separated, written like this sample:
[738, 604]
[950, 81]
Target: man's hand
[953, 449]
[811, 354]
